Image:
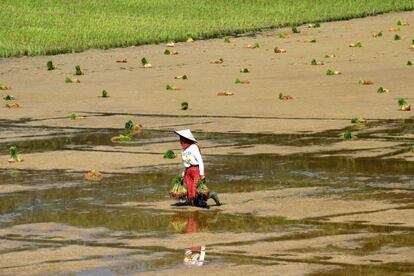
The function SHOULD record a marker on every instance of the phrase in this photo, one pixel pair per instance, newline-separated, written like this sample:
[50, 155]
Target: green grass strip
[44, 27]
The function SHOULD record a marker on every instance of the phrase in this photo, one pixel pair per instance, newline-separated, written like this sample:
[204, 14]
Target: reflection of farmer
[192, 161]
[194, 256]
[189, 223]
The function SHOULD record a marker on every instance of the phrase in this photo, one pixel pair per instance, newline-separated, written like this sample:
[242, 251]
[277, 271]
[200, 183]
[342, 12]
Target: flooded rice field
[314, 212]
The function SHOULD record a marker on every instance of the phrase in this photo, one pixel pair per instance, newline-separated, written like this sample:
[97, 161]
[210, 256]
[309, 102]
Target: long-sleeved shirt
[192, 156]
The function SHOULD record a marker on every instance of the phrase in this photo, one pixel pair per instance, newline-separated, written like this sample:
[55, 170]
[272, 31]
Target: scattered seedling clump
[329, 56]
[50, 65]
[178, 190]
[330, 72]
[105, 94]
[317, 62]
[8, 98]
[313, 40]
[356, 45]
[382, 90]
[12, 105]
[244, 70]
[170, 87]
[70, 80]
[239, 81]
[403, 104]
[121, 138]
[284, 97]
[347, 135]
[409, 63]
[283, 35]
[366, 82]
[131, 126]
[358, 120]
[184, 105]
[397, 37]
[190, 39]
[278, 50]
[170, 53]
[14, 157]
[169, 154]
[145, 63]
[225, 93]
[253, 46]
[314, 25]
[171, 44]
[295, 30]
[227, 40]
[375, 35]
[5, 87]
[182, 77]
[78, 70]
[124, 60]
[93, 175]
[217, 61]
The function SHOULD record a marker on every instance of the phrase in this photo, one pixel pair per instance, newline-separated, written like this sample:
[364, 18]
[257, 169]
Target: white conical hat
[186, 133]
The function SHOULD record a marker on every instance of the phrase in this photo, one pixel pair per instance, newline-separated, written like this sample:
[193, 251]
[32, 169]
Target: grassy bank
[59, 26]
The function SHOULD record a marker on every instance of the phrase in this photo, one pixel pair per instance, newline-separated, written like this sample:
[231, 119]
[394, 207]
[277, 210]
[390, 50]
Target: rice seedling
[392, 29]
[225, 93]
[184, 105]
[14, 157]
[8, 98]
[5, 87]
[409, 63]
[129, 125]
[283, 35]
[202, 188]
[170, 53]
[279, 50]
[330, 72]
[375, 35]
[217, 61]
[50, 65]
[253, 46]
[314, 25]
[182, 77]
[347, 135]
[402, 23]
[145, 63]
[365, 82]
[239, 81]
[357, 44]
[169, 154]
[170, 44]
[403, 104]
[93, 175]
[317, 62]
[73, 116]
[295, 30]
[124, 60]
[227, 40]
[412, 45]
[244, 70]
[313, 40]
[178, 190]
[12, 105]
[397, 37]
[329, 56]
[284, 97]
[104, 94]
[190, 40]
[382, 90]
[121, 138]
[78, 70]
[358, 120]
[70, 80]
[171, 87]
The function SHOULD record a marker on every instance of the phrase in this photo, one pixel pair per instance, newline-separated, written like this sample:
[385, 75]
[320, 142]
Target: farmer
[193, 168]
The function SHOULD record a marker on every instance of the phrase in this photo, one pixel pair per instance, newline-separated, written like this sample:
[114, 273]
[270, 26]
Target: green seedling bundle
[78, 70]
[8, 98]
[330, 72]
[403, 104]
[145, 63]
[178, 190]
[169, 154]
[382, 90]
[202, 189]
[104, 94]
[347, 135]
[14, 157]
[184, 105]
[357, 120]
[397, 37]
[295, 30]
[50, 66]
[244, 70]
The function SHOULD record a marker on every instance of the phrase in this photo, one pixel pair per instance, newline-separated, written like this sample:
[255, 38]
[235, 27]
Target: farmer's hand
[203, 178]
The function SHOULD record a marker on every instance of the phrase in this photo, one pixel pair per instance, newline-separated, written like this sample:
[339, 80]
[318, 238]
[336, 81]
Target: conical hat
[186, 133]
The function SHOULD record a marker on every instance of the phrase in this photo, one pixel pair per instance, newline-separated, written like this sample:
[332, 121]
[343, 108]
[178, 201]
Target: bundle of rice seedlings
[8, 98]
[244, 70]
[170, 53]
[12, 105]
[184, 105]
[313, 40]
[284, 97]
[190, 39]
[129, 125]
[317, 62]
[347, 135]
[179, 223]
[5, 87]
[178, 190]
[283, 35]
[278, 50]
[169, 154]
[217, 61]
[314, 25]
[124, 60]
[365, 82]
[412, 45]
[145, 63]
[121, 138]
[356, 45]
[382, 90]
[202, 189]
[409, 63]
[104, 94]
[227, 40]
[397, 37]
[225, 93]
[171, 44]
[50, 65]
[73, 116]
[93, 175]
[392, 29]
[78, 70]
[171, 87]
[70, 80]
[295, 30]
[330, 72]
[239, 81]
[403, 104]
[14, 157]
[402, 23]
[357, 120]
[182, 77]
[374, 35]
[329, 56]
[253, 46]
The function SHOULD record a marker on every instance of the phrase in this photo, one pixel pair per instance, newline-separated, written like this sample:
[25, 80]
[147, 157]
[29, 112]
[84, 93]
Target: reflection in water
[189, 223]
[194, 256]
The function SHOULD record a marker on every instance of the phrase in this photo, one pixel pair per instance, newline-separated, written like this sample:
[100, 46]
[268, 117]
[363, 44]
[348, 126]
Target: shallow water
[69, 200]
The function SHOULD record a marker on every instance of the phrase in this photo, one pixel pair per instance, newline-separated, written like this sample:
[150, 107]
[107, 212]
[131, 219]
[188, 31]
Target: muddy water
[70, 201]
